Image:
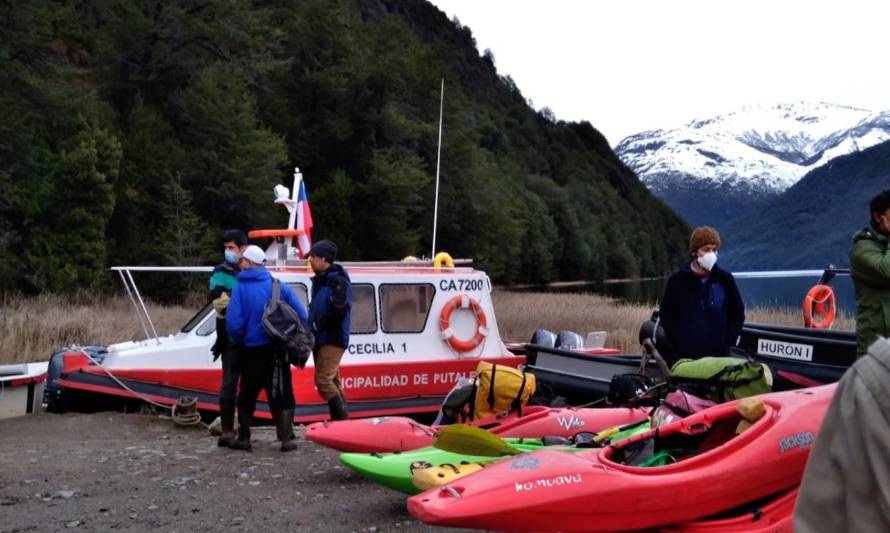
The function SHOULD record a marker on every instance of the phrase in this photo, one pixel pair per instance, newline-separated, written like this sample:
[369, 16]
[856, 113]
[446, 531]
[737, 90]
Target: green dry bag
[721, 379]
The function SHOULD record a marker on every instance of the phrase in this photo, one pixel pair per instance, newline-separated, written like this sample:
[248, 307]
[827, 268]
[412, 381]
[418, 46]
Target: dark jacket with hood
[244, 317]
[870, 270]
[702, 316]
[330, 312]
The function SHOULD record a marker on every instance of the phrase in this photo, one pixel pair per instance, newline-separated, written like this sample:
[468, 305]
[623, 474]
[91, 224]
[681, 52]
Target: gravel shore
[138, 472]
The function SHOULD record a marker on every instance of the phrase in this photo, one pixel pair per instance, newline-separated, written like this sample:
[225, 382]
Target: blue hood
[244, 316]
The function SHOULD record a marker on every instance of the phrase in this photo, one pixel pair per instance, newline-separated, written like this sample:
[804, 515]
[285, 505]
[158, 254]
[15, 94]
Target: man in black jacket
[330, 317]
[702, 311]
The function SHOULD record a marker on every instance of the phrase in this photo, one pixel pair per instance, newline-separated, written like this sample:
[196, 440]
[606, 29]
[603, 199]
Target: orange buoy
[819, 307]
[462, 301]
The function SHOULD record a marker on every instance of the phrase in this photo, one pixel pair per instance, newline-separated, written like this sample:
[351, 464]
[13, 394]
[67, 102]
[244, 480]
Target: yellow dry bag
[500, 388]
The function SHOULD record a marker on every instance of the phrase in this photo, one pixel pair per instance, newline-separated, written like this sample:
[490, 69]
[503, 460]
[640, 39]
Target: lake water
[756, 291]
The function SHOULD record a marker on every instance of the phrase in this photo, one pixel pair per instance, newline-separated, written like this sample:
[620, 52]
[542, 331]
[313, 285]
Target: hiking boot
[284, 425]
[337, 406]
[227, 424]
[243, 441]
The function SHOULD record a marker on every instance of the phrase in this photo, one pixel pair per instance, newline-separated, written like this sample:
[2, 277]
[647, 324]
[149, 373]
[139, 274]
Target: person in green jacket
[870, 270]
[222, 282]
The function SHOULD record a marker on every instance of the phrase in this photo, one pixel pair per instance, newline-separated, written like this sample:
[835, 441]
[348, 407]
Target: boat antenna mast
[438, 161]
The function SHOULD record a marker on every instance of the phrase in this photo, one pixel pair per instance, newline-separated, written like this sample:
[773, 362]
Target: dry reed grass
[31, 329]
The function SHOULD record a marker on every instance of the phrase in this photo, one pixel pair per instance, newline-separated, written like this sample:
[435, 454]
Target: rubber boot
[285, 427]
[337, 406]
[227, 423]
[245, 419]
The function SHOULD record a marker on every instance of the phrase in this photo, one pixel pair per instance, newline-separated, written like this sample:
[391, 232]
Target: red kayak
[707, 469]
[775, 515]
[397, 433]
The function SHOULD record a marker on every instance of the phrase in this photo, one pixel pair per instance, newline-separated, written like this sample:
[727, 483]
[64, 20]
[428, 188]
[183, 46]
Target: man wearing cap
[701, 310]
[222, 281]
[260, 359]
[330, 314]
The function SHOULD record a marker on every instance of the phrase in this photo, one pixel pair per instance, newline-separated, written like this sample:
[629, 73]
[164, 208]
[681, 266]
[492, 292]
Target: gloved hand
[222, 339]
[220, 304]
[339, 294]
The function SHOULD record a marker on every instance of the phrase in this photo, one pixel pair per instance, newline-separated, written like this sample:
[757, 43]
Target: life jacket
[500, 388]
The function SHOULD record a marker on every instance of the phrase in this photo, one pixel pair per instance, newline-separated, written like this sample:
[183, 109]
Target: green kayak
[394, 470]
[432, 466]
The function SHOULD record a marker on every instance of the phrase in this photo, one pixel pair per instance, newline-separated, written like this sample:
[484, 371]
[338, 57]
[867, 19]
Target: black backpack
[282, 323]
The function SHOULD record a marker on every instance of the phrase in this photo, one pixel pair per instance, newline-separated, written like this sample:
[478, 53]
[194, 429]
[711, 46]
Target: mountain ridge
[811, 224]
[724, 167]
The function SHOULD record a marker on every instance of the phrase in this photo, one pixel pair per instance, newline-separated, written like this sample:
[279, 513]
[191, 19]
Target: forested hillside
[811, 225]
[135, 132]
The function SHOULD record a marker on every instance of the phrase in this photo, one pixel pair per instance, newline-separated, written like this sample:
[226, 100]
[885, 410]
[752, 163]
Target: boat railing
[825, 274]
[126, 275]
[277, 264]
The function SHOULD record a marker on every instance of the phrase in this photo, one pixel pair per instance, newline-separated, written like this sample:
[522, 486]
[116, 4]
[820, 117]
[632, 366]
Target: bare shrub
[34, 327]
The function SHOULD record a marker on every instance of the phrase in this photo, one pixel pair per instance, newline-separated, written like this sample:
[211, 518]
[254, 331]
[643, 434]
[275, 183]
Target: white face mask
[708, 260]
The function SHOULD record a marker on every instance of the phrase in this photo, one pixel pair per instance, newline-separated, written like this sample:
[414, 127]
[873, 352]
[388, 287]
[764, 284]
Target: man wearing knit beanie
[703, 236]
[330, 317]
[701, 310]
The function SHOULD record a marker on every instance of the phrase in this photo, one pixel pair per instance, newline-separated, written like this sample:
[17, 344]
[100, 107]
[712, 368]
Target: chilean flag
[304, 217]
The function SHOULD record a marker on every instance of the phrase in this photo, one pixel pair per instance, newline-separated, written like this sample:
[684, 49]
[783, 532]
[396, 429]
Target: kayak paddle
[471, 440]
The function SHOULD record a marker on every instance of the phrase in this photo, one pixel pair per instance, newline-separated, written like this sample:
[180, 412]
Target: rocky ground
[138, 472]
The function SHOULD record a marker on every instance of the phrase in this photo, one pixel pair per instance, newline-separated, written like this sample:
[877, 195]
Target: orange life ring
[819, 307]
[462, 301]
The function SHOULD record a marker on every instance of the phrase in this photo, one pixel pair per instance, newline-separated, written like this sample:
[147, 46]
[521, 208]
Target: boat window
[195, 320]
[364, 309]
[208, 327]
[302, 293]
[404, 308]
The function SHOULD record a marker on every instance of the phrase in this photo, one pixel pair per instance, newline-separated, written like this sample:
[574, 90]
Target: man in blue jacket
[702, 311]
[330, 315]
[260, 359]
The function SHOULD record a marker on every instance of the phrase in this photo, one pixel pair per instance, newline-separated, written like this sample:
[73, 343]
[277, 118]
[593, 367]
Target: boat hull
[374, 389]
[817, 355]
[396, 434]
[775, 515]
[589, 491]
[21, 388]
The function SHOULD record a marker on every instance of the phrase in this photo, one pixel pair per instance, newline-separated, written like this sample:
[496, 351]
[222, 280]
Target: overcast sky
[633, 65]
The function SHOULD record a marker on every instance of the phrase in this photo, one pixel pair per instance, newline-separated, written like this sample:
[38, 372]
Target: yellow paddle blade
[470, 440]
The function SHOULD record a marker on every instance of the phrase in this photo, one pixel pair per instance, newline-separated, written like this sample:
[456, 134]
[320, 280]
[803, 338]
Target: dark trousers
[231, 371]
[258, 372]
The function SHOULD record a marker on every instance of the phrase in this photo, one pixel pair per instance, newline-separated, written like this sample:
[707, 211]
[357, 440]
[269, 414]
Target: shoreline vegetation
[35, 327]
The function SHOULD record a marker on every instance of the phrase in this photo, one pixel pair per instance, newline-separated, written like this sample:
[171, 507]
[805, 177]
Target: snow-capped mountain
[724, 167]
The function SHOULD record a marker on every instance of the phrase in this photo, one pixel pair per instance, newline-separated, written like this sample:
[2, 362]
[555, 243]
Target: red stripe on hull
[365, 382]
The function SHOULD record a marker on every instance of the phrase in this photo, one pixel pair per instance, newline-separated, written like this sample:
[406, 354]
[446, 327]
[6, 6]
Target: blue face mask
[231, 257]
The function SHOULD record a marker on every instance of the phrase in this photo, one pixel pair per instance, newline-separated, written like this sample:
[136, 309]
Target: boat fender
[462, 301]
[819, 307]
[443, 257]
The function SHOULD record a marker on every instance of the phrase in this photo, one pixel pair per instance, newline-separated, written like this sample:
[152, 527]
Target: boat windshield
[195, 320]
